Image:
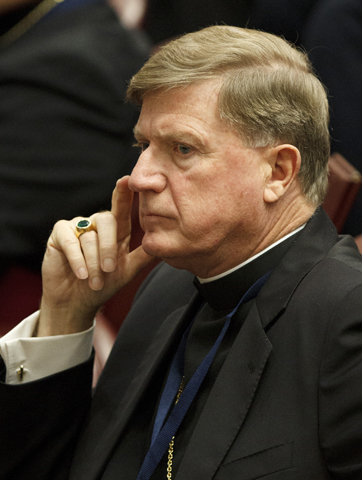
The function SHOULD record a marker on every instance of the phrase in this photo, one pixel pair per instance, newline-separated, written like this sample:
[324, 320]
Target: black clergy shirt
[216, 299]
[220, 297]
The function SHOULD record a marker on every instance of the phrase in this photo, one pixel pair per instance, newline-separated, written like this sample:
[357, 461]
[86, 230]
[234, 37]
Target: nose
[146, 174]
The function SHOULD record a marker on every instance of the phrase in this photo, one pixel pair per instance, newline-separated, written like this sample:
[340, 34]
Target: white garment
[41, 356]
[211, 279]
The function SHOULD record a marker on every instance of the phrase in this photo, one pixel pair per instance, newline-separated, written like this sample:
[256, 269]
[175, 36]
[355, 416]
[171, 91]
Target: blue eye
[183, 149]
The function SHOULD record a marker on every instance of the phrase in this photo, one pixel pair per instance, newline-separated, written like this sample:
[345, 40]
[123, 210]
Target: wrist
[63, 320]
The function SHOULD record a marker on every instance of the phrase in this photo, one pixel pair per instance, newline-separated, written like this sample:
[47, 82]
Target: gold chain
[27, 22]
[172, 443]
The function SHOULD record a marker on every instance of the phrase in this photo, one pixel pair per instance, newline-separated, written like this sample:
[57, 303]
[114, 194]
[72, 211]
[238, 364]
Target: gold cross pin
[20, 371]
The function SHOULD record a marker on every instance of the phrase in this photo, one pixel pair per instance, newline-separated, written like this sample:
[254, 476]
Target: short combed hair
[269, 93]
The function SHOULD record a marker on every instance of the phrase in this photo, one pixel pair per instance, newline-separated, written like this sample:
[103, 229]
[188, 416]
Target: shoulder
[341, 269]
[327, 285]
[168, 285]
[91, 34]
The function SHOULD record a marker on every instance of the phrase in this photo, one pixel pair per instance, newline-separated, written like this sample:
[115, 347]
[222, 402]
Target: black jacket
[286, 403]
[66, 133]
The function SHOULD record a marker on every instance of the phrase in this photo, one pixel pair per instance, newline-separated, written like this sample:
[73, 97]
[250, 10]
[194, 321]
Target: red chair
[344, 184]
[20, 295]
[104, 337]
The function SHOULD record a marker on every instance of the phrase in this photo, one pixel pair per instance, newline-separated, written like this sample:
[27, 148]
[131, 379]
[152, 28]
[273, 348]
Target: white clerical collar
[216, 277]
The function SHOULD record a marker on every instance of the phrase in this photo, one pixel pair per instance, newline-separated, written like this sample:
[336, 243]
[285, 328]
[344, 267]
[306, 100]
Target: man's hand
[79, 275]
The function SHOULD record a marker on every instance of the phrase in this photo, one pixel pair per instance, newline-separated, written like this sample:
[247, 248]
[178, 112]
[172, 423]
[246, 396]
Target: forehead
[193, 107]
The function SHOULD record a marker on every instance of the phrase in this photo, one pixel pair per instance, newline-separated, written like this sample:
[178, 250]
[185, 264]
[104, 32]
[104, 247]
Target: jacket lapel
[228, 402]
[234, 390]
[311, 246]
[92, 455]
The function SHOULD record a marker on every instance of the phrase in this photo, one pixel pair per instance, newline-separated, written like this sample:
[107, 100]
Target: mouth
[151, 213]
[152, 218]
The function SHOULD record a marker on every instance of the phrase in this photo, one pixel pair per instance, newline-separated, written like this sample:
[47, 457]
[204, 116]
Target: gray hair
[269, 94]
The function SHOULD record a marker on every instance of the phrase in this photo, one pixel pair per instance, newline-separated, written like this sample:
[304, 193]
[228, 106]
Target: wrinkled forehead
[196, 104]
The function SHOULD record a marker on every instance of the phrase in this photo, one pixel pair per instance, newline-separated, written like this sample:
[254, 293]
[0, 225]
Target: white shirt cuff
[30, 358]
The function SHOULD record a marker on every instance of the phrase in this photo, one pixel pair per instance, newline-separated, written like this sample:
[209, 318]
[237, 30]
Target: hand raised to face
[81, 272]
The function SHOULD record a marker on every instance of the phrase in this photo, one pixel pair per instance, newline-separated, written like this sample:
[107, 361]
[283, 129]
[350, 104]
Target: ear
[282, 164]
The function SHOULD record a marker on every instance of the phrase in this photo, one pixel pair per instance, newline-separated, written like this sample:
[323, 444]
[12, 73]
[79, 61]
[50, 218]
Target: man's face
[200, 189]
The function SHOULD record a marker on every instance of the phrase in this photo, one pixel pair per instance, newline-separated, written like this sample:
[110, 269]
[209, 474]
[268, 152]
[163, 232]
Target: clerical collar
[224, 292]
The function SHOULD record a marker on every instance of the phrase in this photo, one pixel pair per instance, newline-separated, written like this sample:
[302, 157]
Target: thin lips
[151, 214]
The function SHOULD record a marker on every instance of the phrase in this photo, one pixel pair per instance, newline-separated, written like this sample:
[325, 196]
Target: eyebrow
[180, 137]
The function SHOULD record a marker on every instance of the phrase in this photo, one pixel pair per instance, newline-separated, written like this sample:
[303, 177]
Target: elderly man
[256, 372]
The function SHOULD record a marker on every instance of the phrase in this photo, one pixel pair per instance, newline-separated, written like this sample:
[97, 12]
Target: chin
[159, 247]
[172, 254]
[154, 247]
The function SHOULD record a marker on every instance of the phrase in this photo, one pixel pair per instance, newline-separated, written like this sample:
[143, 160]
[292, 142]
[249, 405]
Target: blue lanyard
[67, 5]
[164, 431]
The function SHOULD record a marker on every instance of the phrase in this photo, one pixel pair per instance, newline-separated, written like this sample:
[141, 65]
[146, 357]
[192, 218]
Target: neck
[273, 224]
[253, 258]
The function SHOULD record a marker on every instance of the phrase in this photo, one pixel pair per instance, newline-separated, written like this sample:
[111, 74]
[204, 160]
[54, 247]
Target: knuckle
[104, 213]
[69, 242]
[105, 218]
[88, 238]
[60, 224]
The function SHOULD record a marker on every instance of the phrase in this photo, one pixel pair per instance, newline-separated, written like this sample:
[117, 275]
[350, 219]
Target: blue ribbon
[164, 431]
[67, 5]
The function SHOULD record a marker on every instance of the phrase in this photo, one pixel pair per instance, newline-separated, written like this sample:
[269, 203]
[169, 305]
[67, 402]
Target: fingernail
[109, 265]
[82, 273]
[96, 283]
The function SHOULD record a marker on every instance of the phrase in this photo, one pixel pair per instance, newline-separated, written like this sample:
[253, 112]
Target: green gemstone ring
[83, 226]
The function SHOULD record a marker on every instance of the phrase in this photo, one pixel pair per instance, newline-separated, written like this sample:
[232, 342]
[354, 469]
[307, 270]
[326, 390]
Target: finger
[106, 226]
[63, 239]
[122, 199]
[90, 247]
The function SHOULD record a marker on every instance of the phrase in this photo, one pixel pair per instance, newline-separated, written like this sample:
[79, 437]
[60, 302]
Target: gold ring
[83, 226]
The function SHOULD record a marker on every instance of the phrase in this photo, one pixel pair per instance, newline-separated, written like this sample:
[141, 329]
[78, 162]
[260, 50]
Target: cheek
[213, 197]
[207, 218]
[194, 198]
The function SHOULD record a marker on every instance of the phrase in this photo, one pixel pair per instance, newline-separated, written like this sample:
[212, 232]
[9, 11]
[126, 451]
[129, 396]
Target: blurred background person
[332, 37]
[169, 18]
[65, 132]
[165, 19]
